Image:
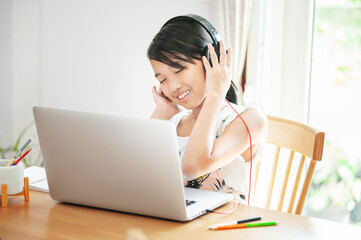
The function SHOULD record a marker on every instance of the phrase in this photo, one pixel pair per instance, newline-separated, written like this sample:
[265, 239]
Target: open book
[37, 178]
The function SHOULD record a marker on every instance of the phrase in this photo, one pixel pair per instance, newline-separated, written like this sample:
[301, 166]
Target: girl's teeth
[183, 95]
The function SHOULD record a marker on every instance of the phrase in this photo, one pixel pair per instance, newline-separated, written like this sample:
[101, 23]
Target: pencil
[246, 225]
[18, 153]
[234, 222]
[22, 156]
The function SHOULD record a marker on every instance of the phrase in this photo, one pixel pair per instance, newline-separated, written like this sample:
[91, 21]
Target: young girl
[213, 141]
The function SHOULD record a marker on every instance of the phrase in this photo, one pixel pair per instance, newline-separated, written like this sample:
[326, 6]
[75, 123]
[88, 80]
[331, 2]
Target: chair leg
[306, 187]
[26, 188]
[4, 194]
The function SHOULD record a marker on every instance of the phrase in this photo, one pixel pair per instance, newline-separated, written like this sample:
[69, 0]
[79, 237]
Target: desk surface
[44, 218]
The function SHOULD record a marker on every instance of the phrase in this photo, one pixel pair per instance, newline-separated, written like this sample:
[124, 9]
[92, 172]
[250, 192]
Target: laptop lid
[112, 162]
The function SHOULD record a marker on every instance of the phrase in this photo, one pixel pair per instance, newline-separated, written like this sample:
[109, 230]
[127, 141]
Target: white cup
[13, 176]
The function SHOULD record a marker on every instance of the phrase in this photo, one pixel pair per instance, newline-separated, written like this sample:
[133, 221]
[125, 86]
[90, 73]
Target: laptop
[118, 163]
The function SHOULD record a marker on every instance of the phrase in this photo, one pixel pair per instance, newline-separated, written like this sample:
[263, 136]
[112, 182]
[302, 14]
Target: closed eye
[163, 81]
[180, 70]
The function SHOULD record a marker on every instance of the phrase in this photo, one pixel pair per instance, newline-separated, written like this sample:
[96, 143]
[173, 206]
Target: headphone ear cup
[207, 55]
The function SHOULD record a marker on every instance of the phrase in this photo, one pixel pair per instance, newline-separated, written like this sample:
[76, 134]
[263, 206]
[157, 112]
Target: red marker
[21, 158]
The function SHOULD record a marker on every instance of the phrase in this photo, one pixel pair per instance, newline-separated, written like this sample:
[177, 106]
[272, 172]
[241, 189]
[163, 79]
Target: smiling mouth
[180, 97]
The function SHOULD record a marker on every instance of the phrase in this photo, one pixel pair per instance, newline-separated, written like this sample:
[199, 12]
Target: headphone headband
[211, 30]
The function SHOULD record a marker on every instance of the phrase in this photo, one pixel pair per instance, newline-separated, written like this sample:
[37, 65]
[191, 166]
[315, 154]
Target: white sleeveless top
[232, 178]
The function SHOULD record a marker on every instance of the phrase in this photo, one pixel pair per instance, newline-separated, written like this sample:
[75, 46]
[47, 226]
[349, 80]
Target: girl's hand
[218, 76]
[165, 108]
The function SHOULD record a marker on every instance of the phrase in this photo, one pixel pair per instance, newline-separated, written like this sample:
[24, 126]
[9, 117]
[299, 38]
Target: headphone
[210, 29]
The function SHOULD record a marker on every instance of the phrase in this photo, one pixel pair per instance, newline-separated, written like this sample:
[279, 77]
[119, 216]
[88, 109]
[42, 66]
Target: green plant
[337, 186]
[11, 150]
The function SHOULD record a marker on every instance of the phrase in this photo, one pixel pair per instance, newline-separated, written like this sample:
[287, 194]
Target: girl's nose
[175, 84]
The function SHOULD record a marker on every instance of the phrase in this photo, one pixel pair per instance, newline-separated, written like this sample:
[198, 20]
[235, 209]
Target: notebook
[37, 178]
[119, 163]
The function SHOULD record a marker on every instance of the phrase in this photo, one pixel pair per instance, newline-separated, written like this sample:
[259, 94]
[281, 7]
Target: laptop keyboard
[189, 202]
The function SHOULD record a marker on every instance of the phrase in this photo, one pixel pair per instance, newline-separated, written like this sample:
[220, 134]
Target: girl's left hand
[218, 76]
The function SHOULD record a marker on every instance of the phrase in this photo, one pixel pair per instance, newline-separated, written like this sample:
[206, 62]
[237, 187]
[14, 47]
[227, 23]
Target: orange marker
[245, 225]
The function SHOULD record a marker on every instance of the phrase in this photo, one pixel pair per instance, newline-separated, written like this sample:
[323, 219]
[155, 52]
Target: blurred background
[335, 104]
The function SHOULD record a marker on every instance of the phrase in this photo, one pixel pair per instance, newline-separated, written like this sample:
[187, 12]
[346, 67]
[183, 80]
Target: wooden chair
[299, 139]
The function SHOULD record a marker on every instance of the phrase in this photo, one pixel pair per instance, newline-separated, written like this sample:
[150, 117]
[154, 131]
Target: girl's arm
[204, 154]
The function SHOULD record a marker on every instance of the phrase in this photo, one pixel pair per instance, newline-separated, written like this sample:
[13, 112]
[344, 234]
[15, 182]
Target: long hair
[183, 39]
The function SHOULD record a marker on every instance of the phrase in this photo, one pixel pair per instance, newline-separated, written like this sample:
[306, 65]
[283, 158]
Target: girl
[213, 141]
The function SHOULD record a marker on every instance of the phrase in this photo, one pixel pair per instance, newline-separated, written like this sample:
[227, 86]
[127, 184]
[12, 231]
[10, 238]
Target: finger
[154, 90]
[222, 53]
[206, 63]
[155, 93]
[161, 93]
[213, 54]
[229, 58]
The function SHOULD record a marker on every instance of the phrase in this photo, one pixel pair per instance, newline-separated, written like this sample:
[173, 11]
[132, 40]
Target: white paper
[37, 178]
[35, 174]
[40, 186]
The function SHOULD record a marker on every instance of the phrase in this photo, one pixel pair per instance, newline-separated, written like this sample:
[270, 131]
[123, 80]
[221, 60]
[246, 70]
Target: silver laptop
[118, 163]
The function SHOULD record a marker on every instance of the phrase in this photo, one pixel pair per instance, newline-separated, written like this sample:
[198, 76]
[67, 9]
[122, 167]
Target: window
[335, 108]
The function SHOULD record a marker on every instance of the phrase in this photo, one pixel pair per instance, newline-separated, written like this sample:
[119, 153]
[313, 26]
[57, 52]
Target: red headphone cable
[250, 149]
[250, 171]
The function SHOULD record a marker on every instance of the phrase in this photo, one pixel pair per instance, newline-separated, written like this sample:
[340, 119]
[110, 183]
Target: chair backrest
[299, 139]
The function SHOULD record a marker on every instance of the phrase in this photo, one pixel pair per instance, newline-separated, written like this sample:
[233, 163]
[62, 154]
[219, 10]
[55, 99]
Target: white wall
[5, 72]
[25, 67]
[87, 55]
[94, 52]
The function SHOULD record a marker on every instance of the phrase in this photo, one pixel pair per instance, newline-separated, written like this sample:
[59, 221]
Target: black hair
[183, 39]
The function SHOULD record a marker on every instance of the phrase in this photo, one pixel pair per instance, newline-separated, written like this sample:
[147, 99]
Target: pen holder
[12, 181]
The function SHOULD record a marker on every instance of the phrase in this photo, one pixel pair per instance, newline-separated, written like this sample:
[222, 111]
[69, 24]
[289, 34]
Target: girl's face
[186, 86]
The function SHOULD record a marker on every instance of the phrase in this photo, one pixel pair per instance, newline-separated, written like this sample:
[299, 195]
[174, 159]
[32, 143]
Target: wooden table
[44, 218]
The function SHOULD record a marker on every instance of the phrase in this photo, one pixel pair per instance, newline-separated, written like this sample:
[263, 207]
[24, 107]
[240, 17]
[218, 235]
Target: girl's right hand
[165, 108]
